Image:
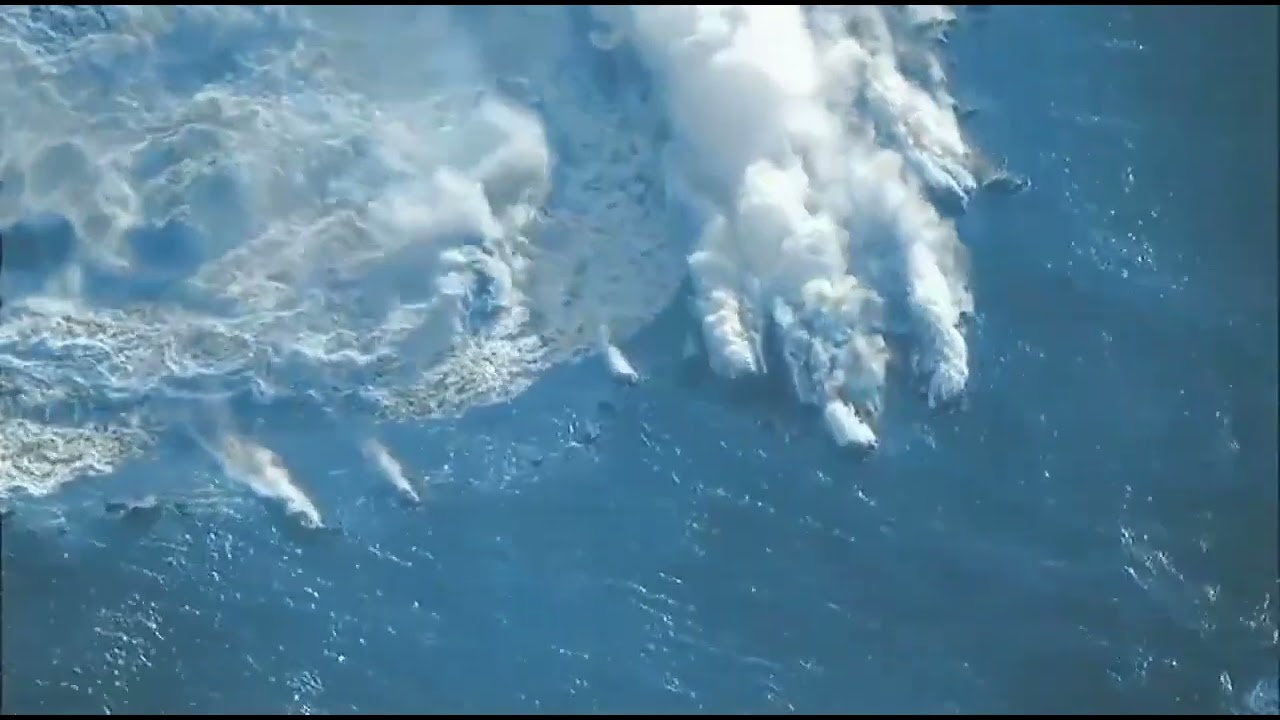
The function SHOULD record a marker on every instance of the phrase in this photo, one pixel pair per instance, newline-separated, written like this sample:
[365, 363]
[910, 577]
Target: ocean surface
[620, 359]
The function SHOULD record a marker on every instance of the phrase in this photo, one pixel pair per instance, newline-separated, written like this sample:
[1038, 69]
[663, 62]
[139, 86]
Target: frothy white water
[37, 457]
[203, 199]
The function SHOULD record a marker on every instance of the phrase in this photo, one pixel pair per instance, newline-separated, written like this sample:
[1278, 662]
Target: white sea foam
[211, 199]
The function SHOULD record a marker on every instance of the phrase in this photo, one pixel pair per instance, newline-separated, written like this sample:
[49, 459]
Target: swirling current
[638, 358]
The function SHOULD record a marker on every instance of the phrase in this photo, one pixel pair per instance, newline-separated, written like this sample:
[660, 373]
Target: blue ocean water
[1093, 528]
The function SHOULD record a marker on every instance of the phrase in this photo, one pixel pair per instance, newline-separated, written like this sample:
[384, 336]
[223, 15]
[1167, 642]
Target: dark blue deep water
[1094, 530]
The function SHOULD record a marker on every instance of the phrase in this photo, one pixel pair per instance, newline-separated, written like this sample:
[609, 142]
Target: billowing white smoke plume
[305, 211]
[810, 153]
[215, 200]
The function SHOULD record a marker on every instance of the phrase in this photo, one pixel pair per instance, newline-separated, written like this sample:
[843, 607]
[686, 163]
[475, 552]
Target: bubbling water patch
[262, 200]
